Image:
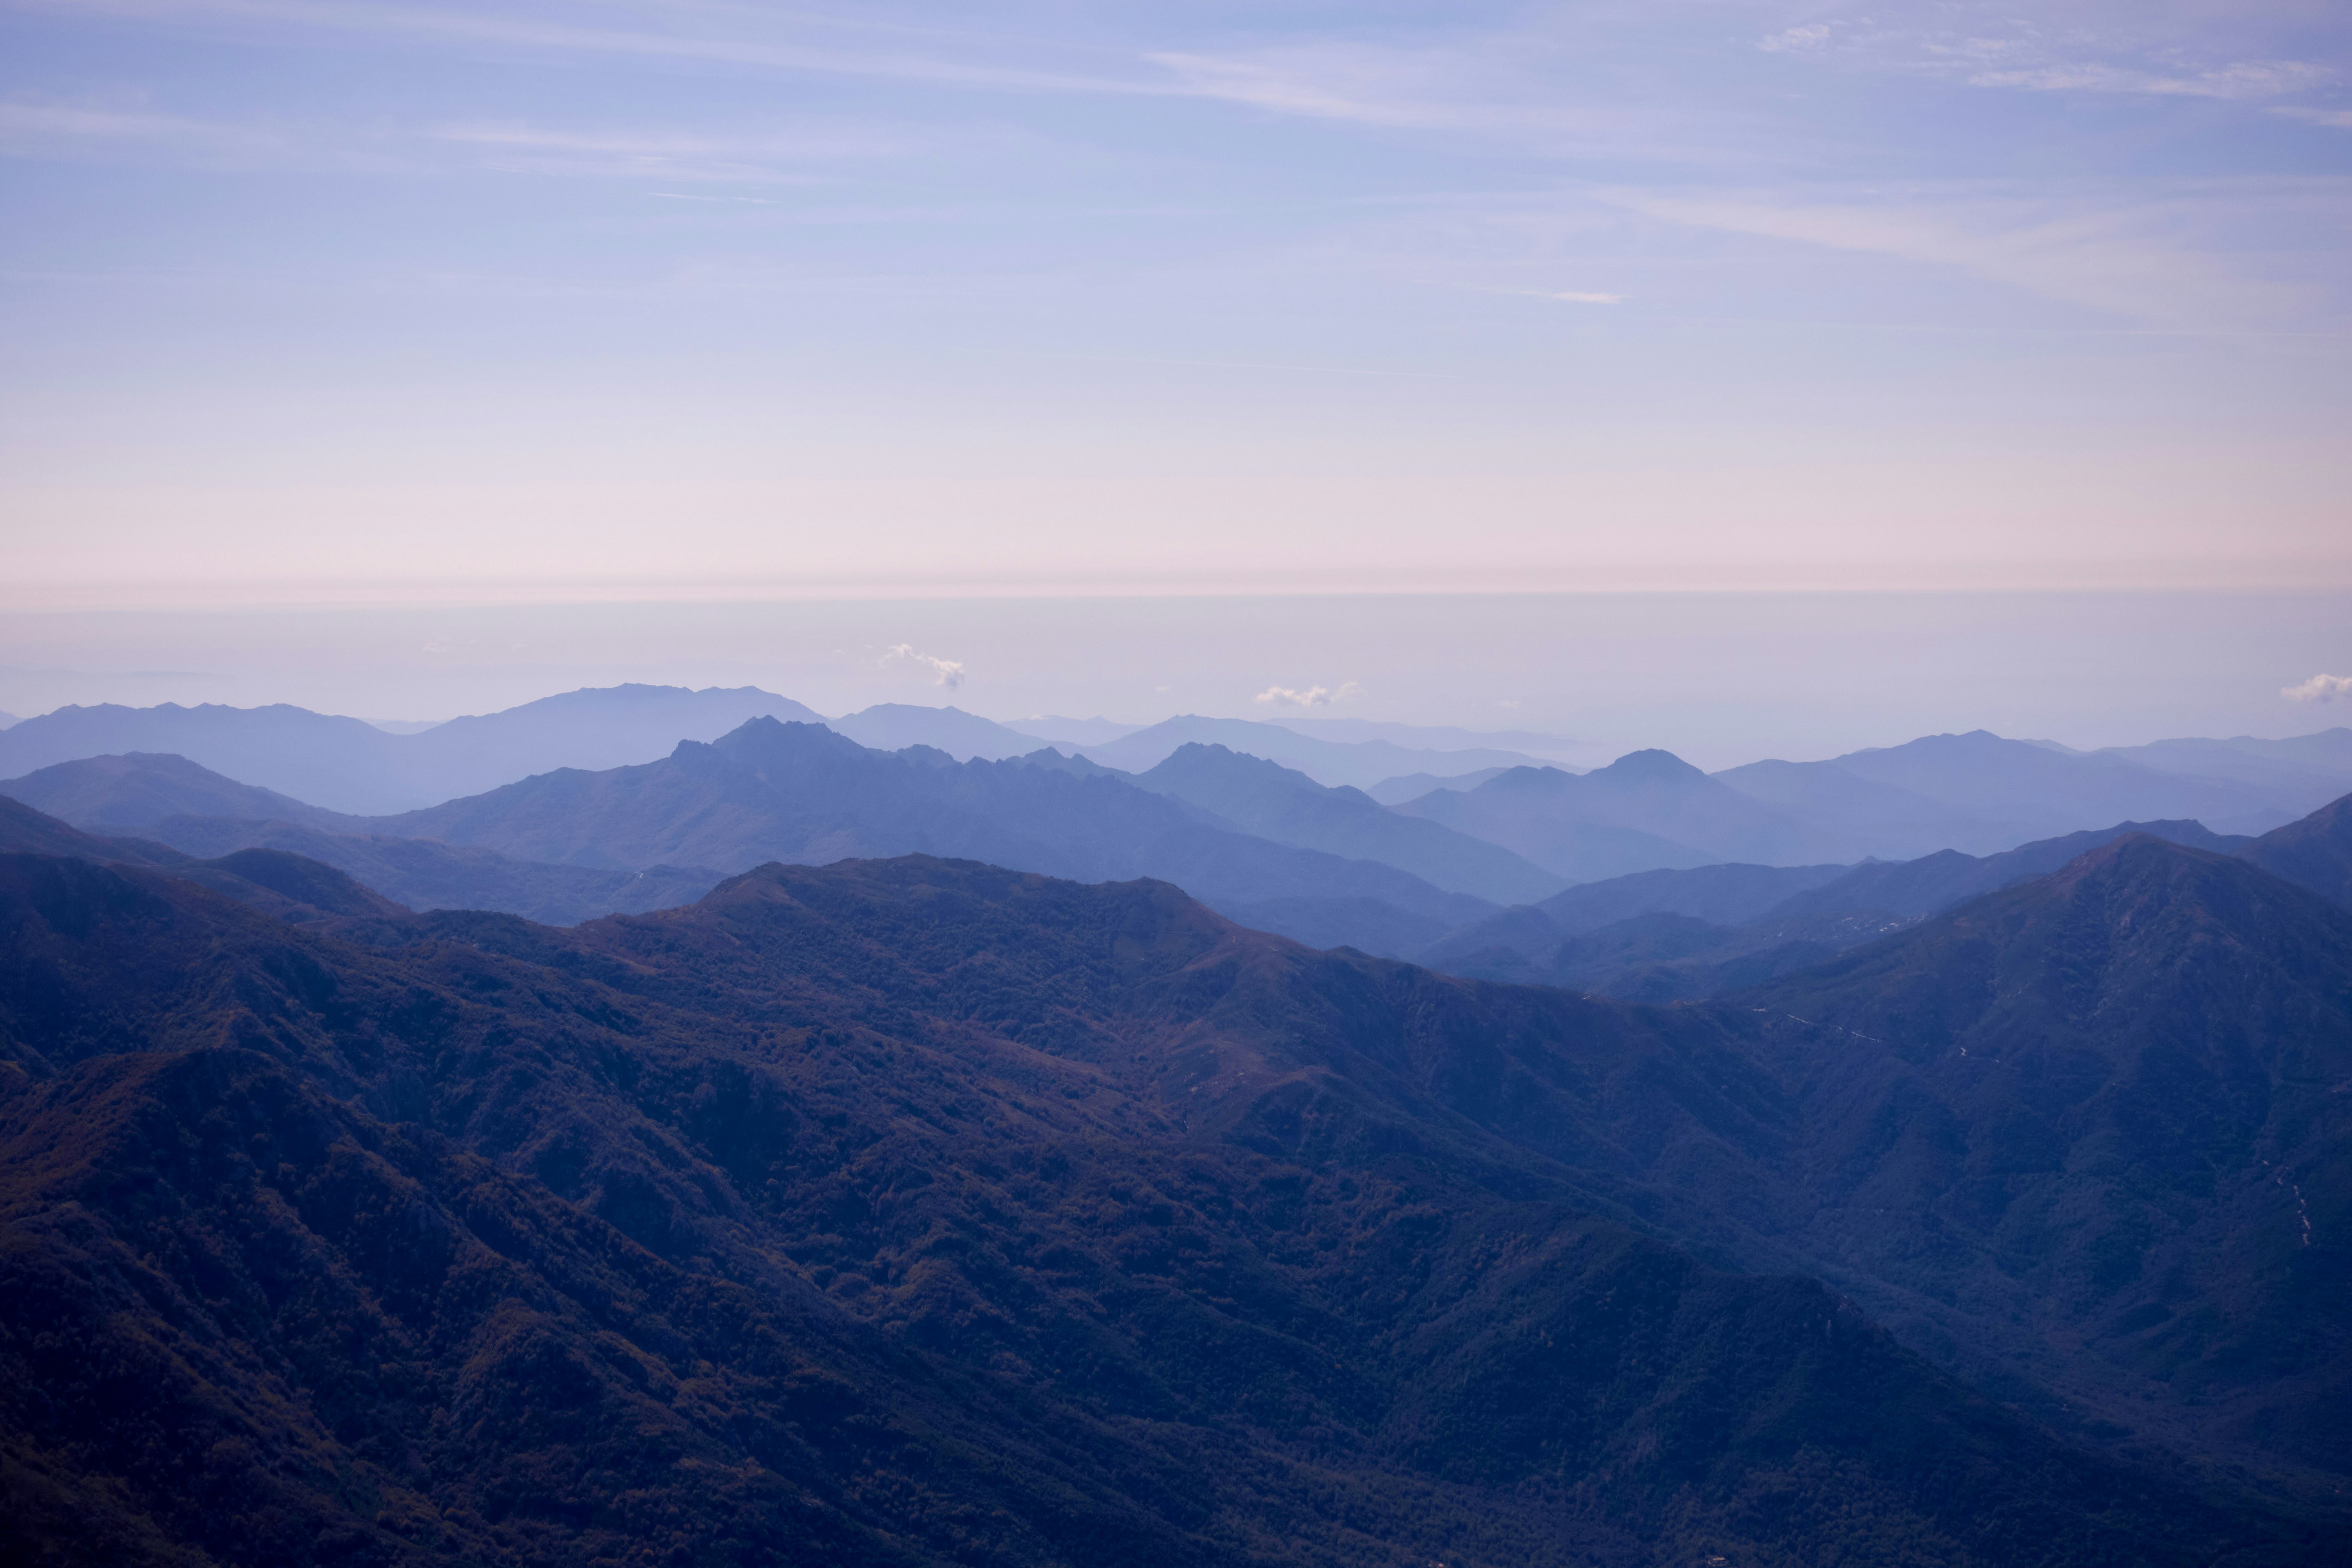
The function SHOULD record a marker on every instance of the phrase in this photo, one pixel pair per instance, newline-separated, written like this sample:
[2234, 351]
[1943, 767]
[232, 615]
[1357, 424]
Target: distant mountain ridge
[149, 798]
[1645, 810]
[1671, 935]
[1357, 764]
[802, 794]
[1980, 792]
[1276, 803]
[351, 766]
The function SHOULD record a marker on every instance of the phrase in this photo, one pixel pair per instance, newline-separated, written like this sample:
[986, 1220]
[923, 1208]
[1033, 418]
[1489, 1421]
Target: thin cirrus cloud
[786, 157]
[946, 66]
[2139, 256]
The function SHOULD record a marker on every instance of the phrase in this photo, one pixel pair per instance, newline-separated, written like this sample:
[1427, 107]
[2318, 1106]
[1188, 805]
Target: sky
[329, 309]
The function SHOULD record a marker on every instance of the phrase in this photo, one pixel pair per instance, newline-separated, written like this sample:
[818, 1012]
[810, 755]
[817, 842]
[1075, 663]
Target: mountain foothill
[787, 1146]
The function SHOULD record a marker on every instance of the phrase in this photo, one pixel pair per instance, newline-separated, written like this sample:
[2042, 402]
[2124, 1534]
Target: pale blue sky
[515, 300]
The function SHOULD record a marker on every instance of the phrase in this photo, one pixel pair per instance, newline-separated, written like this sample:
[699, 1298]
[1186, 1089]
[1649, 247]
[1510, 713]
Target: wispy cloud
[2140, 259]
[742, 157]
[2318, 689]
[2237, 80]
[1312, 697]
[74, 130]
[947, 672]
[2117, 50]
[486, 25]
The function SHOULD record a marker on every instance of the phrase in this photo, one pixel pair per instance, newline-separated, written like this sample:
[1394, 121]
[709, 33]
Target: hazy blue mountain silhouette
[1979, 793]
[132, 792]
[1286, 806]
[1428, 736]
[1732, 894]
[424, 874]
[1060, 729]
[173, 802]
[802, 794]
[349, 766]
[918, 1213]
[2298, 774]
[893, 726]
[1644, 811]
[1359, 764]
[1412, 786]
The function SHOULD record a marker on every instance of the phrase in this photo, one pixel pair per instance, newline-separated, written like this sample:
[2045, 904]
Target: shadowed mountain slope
[25, 831]
[800, 793]
[918, 1213]
[2314, 853]
[1913, 888]
[287, 886]
[424, 874]
[1666, 936]
[2098, 1130]
[1276, 803]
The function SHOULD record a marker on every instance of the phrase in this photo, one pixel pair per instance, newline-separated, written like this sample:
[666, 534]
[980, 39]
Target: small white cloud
[2339, 119]
[1506, 702]
[2319, 689]
[947, 671]
[1313, 697]
[1576, 298]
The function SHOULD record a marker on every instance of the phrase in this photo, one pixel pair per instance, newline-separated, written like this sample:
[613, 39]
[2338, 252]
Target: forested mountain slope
[915, 1212]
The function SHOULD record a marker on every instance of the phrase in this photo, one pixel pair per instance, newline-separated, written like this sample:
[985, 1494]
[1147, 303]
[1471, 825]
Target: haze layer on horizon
[1719, 679]
[518, 300]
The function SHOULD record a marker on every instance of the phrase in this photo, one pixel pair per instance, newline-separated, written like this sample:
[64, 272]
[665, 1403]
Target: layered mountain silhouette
[133, 793]
[917, 1211]
[895, 726]
[1357, 763]
[170, 801]
[802, 794]
[1663, 936]
[1979, 793]
[2298, 774]
[351, 766]
[289, 887]
[1286, 806]
[1645, 810]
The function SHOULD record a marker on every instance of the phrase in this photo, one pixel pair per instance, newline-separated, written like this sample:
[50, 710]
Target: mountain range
[351, 766]
[1976, 793]
[571, 845]
[1669, 935]
[921, 1212]
[1360, 764]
